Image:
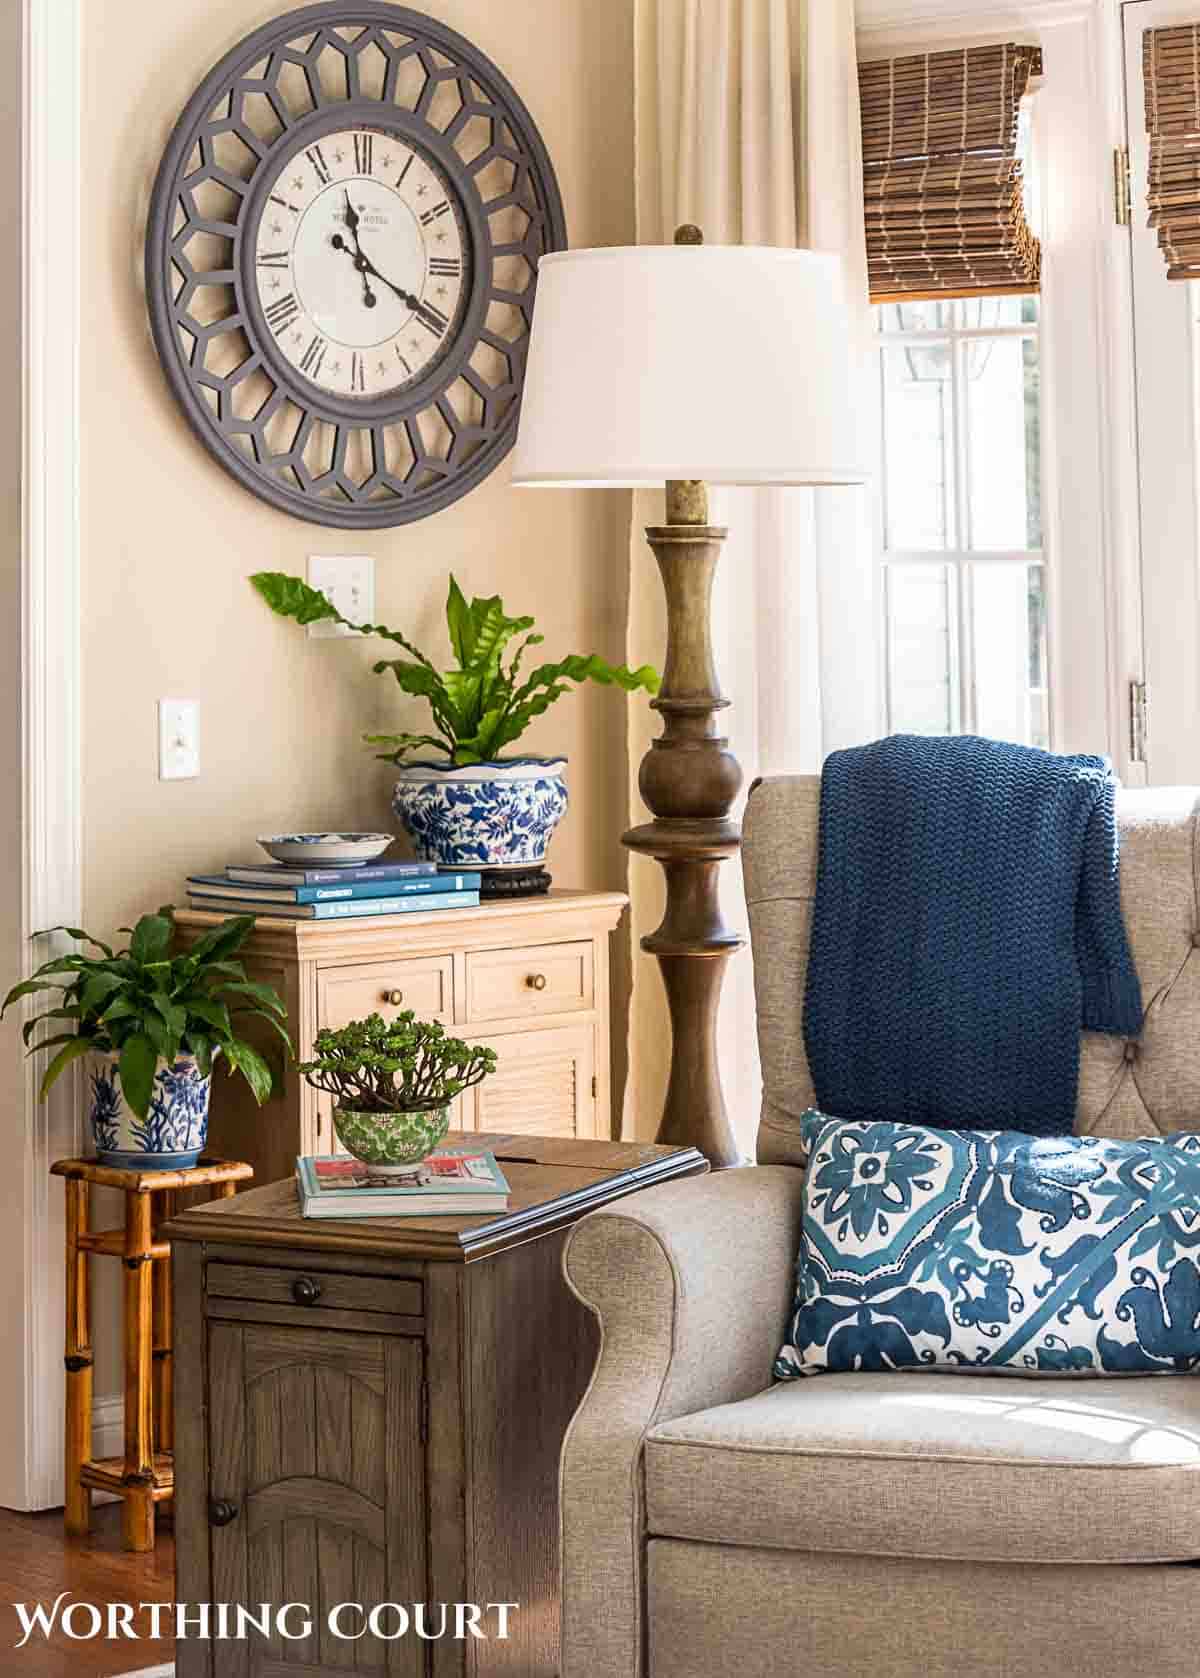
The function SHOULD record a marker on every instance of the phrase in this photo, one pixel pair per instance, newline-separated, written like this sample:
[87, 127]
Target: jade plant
[480, 706]
[143, 1003]
[401, 1065]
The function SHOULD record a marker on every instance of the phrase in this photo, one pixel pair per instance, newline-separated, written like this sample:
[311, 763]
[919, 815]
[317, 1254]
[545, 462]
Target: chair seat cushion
[939, 1465]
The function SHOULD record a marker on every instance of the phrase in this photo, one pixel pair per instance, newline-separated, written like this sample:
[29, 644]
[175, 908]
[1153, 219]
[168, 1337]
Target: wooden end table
[144, 1476]
[371, 1412]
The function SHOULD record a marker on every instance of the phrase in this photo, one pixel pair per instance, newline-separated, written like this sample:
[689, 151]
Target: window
[962, 529]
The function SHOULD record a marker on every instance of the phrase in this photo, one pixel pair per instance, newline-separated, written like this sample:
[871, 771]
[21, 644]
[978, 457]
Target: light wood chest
[529, 977]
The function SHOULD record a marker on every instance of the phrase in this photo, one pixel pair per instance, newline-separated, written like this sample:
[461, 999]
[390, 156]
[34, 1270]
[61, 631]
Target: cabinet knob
[536, 981]
[305, 1291]
[221, 1512]
[395, 997]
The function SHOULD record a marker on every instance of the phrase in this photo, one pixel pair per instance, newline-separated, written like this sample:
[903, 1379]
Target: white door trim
[52, 872]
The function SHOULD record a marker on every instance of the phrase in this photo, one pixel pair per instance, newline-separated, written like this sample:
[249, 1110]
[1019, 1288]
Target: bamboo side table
[145, 1475]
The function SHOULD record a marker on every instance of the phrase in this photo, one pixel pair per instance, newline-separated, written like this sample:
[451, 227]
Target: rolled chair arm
[691, 1282]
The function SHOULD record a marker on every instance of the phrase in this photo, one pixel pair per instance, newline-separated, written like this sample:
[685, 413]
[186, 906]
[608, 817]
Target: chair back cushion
[1126, 1088]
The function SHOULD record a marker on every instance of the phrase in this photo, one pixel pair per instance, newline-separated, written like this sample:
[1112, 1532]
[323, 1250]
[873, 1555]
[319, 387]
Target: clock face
[362, 262]
[341, 262]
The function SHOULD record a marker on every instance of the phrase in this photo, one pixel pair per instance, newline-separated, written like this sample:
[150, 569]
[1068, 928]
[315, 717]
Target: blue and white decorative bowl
[172, 1135]
[487, 815]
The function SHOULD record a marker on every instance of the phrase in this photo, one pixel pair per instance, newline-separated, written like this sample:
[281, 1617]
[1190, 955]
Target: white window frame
[1089, 442]
[961, 555]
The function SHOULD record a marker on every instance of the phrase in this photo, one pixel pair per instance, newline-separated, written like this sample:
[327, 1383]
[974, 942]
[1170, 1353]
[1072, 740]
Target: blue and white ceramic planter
[174, 1131]
[489, 815]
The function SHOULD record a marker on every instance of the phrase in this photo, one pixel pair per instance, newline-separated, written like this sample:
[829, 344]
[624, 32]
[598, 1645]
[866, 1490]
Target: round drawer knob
[536, 981]
[305, 1291]
[221, 1512]
[395, 997]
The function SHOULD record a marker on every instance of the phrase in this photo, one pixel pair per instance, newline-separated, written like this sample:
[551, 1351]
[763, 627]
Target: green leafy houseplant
[143, 1003]
[392, 1082]
[402, 1065]
[482, 705]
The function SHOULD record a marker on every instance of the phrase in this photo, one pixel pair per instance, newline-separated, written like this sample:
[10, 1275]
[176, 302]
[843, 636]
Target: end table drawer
[533, 979]
[351, 993]
[324, 1289]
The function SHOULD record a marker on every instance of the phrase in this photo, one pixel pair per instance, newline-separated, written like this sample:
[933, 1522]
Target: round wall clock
[341, 261]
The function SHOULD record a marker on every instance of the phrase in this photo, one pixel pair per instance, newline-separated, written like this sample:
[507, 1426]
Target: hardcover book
[284, 874]
[450, 1180]
[398, 905]
[220, 885]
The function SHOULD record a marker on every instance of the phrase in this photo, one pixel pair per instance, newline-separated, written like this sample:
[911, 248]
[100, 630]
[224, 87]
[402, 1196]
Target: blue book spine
[436, 885]
[428, 885]
[395, 905]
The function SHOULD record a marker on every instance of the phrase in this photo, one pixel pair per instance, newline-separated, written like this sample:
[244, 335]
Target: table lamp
[686, 365]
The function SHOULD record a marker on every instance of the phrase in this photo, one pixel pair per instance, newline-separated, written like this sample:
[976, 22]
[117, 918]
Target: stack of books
[327, 894]
[454, 1180]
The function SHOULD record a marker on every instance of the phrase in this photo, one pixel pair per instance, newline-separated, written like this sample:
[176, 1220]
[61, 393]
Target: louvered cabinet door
[544, 1084]
[317, 1492]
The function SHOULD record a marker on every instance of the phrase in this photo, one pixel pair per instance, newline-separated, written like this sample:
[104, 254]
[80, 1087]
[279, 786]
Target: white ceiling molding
[883, 25]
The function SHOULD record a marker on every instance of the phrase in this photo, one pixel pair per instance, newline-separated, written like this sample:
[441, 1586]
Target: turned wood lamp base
[689, 779]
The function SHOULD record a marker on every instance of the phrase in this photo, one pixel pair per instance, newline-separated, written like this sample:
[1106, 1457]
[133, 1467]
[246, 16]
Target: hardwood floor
[37, 1562]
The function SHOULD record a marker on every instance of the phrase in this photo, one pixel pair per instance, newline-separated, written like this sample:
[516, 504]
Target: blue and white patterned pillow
[992, 1250]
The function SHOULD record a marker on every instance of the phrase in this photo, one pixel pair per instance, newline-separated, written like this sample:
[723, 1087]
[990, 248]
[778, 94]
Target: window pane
[925, 316]
[918, 446]
[1008, 628]
[922, 669]
[982, 313]
[1004, 441]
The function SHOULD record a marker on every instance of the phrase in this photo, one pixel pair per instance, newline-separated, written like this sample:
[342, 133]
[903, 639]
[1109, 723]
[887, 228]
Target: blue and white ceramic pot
[486, 816]
[174, 1131]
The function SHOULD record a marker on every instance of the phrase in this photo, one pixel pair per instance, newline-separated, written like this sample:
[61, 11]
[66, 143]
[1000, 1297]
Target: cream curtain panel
[748, 125]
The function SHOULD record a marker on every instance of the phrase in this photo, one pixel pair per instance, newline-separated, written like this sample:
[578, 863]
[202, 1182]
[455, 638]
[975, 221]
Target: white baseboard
[108, 1440]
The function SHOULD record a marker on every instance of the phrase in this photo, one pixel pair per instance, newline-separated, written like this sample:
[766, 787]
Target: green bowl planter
[391, 1143]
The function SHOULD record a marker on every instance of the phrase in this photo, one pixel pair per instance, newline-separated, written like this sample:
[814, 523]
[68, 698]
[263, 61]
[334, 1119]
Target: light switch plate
[348, 580]
[178, 739]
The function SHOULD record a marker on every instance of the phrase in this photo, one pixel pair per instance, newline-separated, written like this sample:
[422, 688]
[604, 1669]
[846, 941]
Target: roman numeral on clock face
[400, 177]
[283, 203]
[357, 372]
[403, 360]
[433, 319]
[433, 214]
[364, 146]
[282, 313]
[314, 355]
[448, 265]
[273, 259]
[314, 156]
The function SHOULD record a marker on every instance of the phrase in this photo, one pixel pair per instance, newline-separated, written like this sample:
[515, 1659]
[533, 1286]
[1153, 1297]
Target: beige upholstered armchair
[909, 1525]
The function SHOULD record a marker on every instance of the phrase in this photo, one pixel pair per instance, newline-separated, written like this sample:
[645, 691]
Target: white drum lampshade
[726, 363]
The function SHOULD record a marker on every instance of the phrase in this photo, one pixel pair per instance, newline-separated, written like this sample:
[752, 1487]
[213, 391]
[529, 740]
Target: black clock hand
[360, 262]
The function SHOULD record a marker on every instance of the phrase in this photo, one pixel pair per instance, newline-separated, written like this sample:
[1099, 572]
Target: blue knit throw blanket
[967, 924]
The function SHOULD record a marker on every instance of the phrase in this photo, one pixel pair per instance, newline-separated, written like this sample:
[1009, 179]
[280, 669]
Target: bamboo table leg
[164, 1372]
[138, 1513]
[77, 1497]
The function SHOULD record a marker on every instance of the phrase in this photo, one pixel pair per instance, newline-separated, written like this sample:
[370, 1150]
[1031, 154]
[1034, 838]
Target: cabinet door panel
[542, 1085]
[315, 1437]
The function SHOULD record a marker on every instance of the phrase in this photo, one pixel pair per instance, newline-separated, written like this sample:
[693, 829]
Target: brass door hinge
[1121, 193]
[595, 1086]
[1139, 722]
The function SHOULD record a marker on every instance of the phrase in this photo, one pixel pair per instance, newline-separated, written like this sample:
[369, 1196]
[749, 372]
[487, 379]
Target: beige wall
[169, 538]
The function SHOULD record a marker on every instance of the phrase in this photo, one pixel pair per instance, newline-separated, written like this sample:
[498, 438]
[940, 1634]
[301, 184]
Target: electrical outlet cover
[348, 580]
[178, 739]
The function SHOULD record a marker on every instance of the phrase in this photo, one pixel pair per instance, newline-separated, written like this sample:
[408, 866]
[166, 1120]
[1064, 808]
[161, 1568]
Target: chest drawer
[530, 980]
[320, 1290]
[424, 984]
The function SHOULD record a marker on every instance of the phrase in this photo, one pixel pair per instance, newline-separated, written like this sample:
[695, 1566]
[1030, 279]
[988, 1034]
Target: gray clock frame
[238, 440]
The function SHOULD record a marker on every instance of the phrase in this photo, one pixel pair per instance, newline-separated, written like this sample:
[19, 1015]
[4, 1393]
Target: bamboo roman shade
[1171, 68]
[942, 183]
